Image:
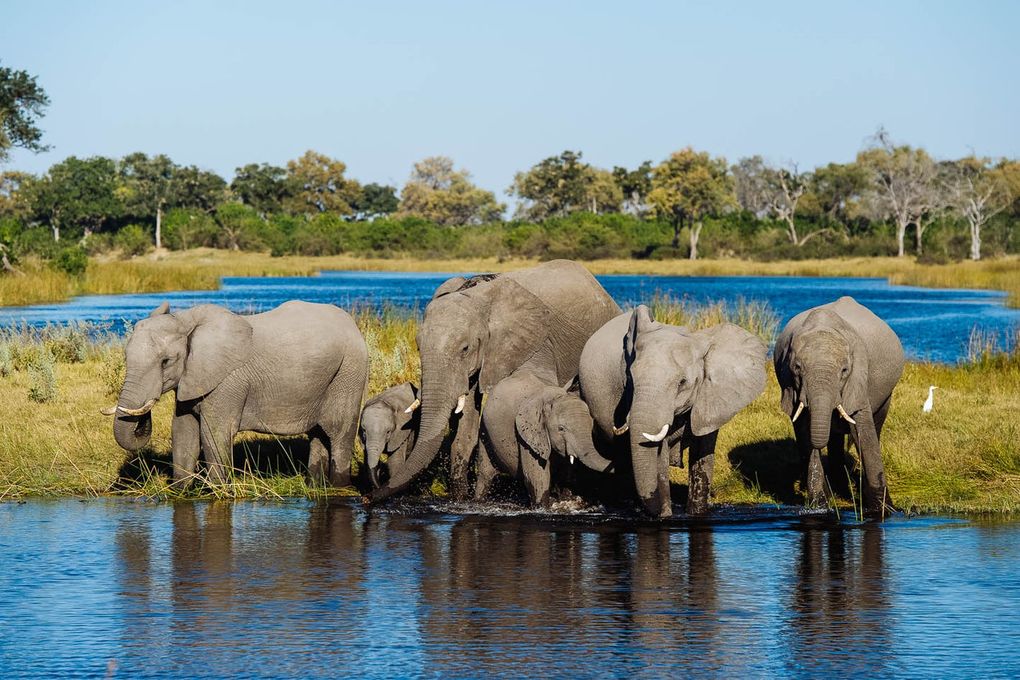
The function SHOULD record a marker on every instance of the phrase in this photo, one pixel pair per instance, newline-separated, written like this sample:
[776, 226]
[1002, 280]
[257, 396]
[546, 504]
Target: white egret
[930, 401]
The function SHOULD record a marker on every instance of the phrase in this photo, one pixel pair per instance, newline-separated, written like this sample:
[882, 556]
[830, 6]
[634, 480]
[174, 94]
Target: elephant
[655, 389]
[389, 424]
[299, 368]
[837, 364]
[526, 420]
[479, 330]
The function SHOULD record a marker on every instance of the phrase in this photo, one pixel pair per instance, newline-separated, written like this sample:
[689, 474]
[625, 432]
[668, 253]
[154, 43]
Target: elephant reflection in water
[511, 589]
[839, 622]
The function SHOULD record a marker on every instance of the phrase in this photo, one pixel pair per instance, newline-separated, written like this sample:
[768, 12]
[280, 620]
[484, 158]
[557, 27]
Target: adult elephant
[837, 365]
[300, 368]
[656, 389]
[479, 330]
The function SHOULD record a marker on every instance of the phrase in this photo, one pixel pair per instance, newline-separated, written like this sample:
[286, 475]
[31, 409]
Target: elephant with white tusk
[389, 424]
[530, 428]
[837, 365]
[668, 388]
[300, 368]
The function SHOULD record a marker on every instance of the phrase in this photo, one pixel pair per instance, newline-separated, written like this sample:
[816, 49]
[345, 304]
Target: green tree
[263, 187]
[78, 193]
[199, 189]
[22, 103]
[635, 185]
[317, 185]
[837, 188]
[150, 186]
[438, 193]
[16, 194]
[978, 192]
[376, 200]
[560, 185]
[688, 187]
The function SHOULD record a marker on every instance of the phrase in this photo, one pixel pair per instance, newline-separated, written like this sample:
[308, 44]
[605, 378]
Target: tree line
[889, 195]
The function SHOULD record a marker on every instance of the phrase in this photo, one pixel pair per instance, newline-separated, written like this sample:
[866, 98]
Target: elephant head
[191, 352]
[681, 378]
[825, 369]
[556, 421]
[473, 335]
[387, 423]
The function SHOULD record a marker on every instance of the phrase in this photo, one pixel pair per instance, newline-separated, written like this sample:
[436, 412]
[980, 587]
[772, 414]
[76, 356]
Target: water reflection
[302, 589]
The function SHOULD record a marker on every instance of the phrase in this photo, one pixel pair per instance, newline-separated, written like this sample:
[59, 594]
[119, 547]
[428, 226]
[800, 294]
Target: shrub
[67, 344]
[6, 361]
[42, 379]
[133, 240]
[73, 261]
[97, 244]
[112, 372]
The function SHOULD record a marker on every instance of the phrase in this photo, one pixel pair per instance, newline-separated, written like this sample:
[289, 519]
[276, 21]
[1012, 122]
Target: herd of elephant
[574, 389]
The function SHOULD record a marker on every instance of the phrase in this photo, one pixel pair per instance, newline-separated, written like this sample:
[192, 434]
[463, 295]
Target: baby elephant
[526, 420]
[389, 424]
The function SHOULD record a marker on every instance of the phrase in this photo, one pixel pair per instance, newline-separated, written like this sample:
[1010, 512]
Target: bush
[183, 229]
[97, 244]
[73, 261]
[67, 344]
[42, 379]
[6, 361]
[133, 240]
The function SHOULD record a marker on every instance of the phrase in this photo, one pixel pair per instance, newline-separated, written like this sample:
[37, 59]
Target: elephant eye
[797, 367]
[464, 349]
[166, 362]
[683, 381]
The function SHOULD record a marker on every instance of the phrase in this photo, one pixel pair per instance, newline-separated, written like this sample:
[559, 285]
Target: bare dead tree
[977, 194]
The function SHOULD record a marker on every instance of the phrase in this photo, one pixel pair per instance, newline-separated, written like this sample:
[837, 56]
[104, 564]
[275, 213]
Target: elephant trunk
[374, 445]
[132, 432]
[820, 405]
[589, 456]
[648, 417]
[439, 396]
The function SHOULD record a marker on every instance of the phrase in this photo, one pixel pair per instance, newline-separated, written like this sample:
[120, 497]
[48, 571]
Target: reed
[964, 456]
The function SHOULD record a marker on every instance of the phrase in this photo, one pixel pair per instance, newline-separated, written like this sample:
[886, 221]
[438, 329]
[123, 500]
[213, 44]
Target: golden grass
[201, 269]
[962, 457]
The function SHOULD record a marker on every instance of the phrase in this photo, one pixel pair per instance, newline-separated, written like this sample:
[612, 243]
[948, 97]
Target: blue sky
[500, 86]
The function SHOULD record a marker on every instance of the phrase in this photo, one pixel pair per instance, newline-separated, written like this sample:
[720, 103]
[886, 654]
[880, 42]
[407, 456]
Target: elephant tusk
[843, 414]
[796, 414]
[623, 428]
[460, 404]
[656, 437]
[572, 459]
[146, 407]
[109, 410]
[414, 404]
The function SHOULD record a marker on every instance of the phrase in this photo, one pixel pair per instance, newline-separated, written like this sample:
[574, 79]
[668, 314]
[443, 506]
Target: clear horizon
[498, 88]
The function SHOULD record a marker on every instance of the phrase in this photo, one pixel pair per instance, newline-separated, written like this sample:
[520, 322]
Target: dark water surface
[933, 324]
[302, 589]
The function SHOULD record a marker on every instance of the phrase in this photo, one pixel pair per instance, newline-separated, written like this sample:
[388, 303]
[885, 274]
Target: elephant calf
[389, 424]
[837, 365]
[526, 420]
[300, 368]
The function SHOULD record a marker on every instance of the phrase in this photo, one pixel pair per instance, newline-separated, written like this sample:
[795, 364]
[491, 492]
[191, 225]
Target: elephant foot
[697, 506]
[878, 504]
[340, 479]
[459, 490]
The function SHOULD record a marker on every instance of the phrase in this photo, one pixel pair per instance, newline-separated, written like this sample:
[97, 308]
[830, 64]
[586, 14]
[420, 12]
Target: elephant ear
[219, 343]
[451, 285]
[518, 326]
[641, 321]
[161, 310]
[734, 374]
[785, 377]
[856, 395]
[531, 426]
[402, 419]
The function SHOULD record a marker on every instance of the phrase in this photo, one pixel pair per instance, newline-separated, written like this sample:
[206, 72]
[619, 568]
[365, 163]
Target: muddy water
[141, 589]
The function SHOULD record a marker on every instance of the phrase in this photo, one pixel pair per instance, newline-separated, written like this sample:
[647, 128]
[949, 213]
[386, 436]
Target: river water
[933, 324]
[303, 589]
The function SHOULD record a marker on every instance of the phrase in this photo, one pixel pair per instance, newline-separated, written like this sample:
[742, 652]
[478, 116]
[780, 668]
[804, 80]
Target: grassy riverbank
[201, 269]
[962, 457]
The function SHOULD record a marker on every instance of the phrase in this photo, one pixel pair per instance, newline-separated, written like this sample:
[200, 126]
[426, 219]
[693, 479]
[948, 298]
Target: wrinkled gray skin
[300, 368]
[478, 331]
[529, 426]
[839, 353]
[665, 381]
[387, 426]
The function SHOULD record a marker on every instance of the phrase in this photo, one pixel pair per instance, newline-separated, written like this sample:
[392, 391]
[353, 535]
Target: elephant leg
[463, 447]
[217, 437]
[339, 420]
[880, 416]
[701, 467]
[485, 471]
[185, 444]
[318, 458]
[877, 500]
[537, 478]
[837, 472]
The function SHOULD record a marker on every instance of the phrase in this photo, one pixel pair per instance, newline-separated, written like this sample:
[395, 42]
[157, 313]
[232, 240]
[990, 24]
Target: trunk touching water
[648, 415]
